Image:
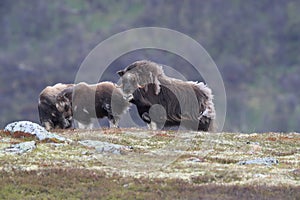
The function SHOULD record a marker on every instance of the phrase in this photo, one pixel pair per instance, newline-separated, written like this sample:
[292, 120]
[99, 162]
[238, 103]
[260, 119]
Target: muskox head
[140, 74]
[64, 103]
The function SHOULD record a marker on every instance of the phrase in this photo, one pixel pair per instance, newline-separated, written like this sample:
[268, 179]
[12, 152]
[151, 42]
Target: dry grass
[89, 184]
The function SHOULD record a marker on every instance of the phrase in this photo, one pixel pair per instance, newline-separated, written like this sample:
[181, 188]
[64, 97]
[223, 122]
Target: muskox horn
[119, 86]
[121, 73]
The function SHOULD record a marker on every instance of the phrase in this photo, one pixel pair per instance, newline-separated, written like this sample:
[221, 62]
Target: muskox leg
[66, 123]
[146, 117]
[72, 124]
[204, 124]
[113, 121]
[85, 126]
[80, 125]
[152, 125]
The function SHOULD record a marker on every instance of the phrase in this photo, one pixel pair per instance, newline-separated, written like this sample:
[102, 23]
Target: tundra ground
[154, 165]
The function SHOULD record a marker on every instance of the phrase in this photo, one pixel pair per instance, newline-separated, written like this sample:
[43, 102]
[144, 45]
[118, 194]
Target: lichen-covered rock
[105, 147]
[30, 129]
[21, 147]
[260, 161]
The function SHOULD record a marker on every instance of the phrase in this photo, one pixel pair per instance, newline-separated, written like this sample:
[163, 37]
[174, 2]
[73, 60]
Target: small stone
[21, 147]
[194, 159]
[259, 176]
[259, 161]
[105, 147]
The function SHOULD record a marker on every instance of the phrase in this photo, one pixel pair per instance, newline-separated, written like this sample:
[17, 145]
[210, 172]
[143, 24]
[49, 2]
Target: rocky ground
[143, 164]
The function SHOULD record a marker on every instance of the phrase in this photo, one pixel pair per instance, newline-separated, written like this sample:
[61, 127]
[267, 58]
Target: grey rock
[21, 147]
[194, 159]
[33, 129]
[260, 161]
[105, 147]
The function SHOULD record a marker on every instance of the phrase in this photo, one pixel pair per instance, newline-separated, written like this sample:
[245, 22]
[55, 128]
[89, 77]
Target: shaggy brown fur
[50, 116]
[94, 101]
[187, 103]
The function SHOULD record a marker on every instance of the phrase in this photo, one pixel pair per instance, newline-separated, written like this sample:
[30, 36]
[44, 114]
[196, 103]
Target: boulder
[29, 129]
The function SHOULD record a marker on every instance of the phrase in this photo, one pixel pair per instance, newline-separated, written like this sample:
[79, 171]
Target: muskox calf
[50, 116]
[93, 101]
[163, 101]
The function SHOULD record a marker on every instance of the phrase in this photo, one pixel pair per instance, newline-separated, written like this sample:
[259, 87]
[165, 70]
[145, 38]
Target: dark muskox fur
[94, 101]
[167, 101]
[50, 116]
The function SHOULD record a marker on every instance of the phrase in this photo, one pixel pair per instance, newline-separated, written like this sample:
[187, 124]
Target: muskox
[87, 102]
[162, 101]
[50, 116]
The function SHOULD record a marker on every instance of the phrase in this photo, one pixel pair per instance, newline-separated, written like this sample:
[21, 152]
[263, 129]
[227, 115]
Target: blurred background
[255, 44]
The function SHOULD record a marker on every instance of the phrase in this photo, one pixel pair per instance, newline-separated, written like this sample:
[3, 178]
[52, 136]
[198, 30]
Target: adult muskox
[87, 101]
[164, 101]
[50, 116]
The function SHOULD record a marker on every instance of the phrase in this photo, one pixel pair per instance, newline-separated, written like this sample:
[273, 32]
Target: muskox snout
[128, 97]
[65, 123]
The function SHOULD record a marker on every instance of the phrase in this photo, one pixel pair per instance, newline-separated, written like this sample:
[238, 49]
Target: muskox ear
[121, 73]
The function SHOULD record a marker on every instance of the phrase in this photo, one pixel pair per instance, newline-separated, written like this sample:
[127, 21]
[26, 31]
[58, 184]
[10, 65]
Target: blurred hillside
[256, 46]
